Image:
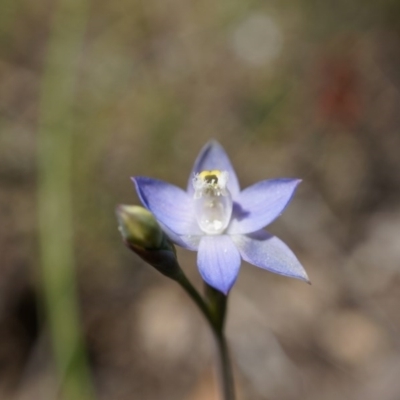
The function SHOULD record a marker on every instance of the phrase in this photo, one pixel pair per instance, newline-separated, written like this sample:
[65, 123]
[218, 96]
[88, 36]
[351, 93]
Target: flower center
[213, 201]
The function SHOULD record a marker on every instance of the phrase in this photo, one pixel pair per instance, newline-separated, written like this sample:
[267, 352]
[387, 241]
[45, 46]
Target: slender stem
[217, 303]
[214, 311]
[195, 296]
[225, 368]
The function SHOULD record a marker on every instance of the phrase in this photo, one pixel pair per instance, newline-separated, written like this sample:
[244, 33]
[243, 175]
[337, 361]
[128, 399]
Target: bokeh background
[305, 89]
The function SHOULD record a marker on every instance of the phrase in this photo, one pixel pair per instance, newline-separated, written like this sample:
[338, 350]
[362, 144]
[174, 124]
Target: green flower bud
[143, 235]
[138, 227]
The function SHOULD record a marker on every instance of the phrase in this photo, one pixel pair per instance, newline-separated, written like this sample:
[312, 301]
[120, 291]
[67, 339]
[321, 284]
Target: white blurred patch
[258, 40]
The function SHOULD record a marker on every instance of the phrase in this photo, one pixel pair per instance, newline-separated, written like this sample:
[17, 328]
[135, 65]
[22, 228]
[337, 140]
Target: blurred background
[304, 89]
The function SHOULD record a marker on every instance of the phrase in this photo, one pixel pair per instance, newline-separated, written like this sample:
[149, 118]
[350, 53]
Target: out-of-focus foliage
[307, 89]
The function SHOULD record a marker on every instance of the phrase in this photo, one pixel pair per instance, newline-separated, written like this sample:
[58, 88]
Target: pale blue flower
[221, 222]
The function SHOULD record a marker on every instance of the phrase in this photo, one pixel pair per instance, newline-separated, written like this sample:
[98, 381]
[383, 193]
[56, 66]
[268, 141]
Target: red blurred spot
[339, 97]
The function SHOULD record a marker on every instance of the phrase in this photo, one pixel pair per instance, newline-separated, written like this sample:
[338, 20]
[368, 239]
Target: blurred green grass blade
[58, 85]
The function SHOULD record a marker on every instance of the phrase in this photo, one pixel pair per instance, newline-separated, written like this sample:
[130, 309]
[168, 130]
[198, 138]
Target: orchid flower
[221, 222]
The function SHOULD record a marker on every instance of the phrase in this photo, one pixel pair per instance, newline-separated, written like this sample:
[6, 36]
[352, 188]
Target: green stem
[214, 311]
[195, 296]
[217, 303]
[225, 368]
[55, 198]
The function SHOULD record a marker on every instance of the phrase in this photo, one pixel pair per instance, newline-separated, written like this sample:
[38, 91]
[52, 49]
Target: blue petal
[213, 156]
[189, 242]
[268, 252]
[171, 206]
[219, 262]
[258, 205]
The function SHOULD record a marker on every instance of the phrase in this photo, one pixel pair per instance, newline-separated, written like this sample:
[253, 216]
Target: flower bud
[143, 235]
[138, 227]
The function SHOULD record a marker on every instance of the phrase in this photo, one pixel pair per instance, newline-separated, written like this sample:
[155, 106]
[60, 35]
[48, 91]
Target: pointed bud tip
[142, 234]
[138, 226]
